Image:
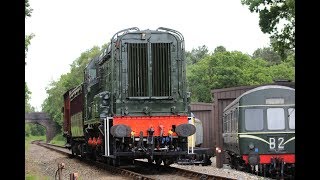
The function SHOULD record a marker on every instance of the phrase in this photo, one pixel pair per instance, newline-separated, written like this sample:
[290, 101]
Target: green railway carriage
[259, 130]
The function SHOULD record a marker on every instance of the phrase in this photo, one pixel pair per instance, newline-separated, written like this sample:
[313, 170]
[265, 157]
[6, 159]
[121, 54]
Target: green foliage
[28, 38]
[27, 130]
[31, 176]
[267, 54]
[27, 43]
[28, 140]
[28, 9]
[34, 130]
[219, 49]
[196, 54]
[27, 92]
[283, 71]
[56, 89]
[27, 97]
[58, 140]
[290, 60]
[79, 64]
[277, 18]
[231, 69]
[27, 106]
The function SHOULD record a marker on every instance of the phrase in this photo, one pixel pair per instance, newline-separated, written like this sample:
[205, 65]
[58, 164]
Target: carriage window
[234, 121]
[225, 123]
[228, 123]
[275, 118]
[253, 119]
[291, 117]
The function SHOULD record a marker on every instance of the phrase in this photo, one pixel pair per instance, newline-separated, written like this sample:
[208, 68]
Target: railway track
[140, 170]
[107, 167]
[177, 171]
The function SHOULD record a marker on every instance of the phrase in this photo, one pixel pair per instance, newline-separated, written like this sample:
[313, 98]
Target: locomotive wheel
[82, 153]
[93, 155]
[150, 161]
[116, 162]
[207, 161]
[167, 162]
[73, 153]
[158, 161]
[97, 156]
[108, 161]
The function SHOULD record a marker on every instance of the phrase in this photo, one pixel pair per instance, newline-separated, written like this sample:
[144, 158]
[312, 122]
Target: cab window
[275, 118]
[253, 119]
[291, 117]
[90, 73]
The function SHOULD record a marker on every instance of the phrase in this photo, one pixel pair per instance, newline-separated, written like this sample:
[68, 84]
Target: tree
[277, 18]
[219, 49]
[196, 54]
[28, 107]
[231, 69]
[34, 129]
[28, 38]
[267, 54]
[28, 9]
[56, 89]
[27, 43]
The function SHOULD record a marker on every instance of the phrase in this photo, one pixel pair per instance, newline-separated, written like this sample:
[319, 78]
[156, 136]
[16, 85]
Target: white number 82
[272, 143]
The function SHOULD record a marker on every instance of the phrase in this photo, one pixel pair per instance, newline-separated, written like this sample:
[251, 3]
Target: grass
[58, 140]
[28, 140]
[36, 177]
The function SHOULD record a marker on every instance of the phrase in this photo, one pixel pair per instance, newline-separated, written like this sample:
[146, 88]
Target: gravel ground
[44, 163]
[224, 172]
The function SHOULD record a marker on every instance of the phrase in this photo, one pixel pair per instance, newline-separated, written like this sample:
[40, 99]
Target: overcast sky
[65, 28]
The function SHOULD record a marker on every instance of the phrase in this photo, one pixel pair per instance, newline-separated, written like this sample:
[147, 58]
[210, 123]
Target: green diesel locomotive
[133, 102]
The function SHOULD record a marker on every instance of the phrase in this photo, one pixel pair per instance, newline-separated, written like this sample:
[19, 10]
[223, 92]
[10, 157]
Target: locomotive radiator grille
[138, 69]
[161, 69]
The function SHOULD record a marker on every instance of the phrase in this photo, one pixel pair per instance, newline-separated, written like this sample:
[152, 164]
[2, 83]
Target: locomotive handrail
[125, 31]
[152, 97]
[171, 30]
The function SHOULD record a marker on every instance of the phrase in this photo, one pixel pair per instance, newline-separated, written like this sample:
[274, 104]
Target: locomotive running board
[106, 136]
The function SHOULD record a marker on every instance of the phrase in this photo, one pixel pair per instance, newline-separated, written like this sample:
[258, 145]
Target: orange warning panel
[142, 123]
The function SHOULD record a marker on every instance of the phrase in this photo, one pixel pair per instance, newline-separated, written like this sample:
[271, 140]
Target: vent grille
[161, 69]
[137, 69]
